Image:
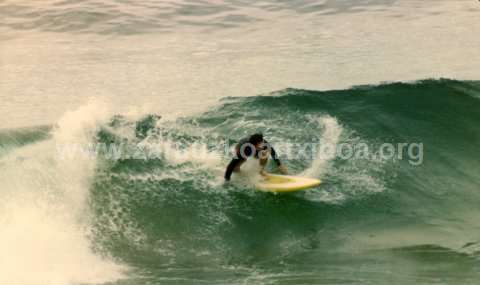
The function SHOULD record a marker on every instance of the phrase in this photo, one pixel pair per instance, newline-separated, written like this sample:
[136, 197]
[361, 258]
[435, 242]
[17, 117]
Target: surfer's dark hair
[256, 138]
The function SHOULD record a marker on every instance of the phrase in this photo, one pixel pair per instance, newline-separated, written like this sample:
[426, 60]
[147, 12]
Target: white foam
[330, 137]
[43, 218]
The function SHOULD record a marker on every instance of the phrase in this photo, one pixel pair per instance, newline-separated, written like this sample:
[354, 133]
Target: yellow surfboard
[285, 183]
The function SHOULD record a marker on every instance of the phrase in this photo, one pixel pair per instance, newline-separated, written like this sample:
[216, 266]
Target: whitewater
[190, 77]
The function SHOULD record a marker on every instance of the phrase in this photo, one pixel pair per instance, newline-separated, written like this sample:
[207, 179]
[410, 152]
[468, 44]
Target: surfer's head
[256, 140]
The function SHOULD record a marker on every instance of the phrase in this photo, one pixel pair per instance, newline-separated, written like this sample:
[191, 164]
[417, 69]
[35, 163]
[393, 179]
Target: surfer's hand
[283, 169]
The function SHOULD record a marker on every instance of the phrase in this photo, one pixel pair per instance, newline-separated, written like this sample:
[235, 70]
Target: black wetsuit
[248, 150]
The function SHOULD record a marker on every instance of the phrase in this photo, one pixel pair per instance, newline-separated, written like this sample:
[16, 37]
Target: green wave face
[172, 219]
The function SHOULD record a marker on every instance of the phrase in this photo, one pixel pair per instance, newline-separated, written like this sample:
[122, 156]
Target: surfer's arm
[273, 154]
[231, 167]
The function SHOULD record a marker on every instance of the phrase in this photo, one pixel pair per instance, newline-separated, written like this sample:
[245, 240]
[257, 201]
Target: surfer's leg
[263, 159]
[263, 162]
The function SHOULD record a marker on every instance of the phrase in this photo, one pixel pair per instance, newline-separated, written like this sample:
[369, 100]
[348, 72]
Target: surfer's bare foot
[263, 172]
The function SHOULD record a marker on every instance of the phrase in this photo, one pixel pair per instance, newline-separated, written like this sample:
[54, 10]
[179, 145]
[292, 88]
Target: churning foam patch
[43, 213]
[40, 245]
[330, 136]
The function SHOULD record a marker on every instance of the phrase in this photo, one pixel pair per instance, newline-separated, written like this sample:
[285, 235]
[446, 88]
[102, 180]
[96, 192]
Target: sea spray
[44, 215]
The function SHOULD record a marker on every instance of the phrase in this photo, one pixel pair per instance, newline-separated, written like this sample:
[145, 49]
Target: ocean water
[193, 76]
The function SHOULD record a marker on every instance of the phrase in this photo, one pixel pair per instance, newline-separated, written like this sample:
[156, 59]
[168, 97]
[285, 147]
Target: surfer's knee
[263, 157]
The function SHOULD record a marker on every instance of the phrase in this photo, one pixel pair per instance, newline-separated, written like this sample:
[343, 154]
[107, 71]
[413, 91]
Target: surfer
[253, 146]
